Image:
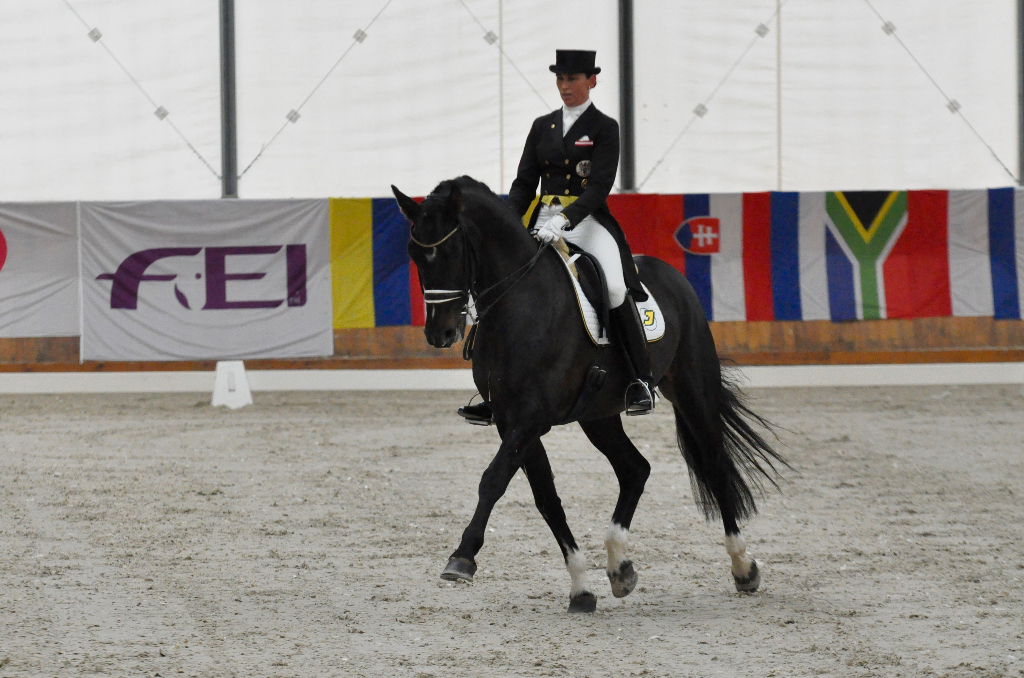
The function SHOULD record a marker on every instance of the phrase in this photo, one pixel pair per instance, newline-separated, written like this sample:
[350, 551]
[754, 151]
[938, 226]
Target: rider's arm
[604, 163]
[524, 188]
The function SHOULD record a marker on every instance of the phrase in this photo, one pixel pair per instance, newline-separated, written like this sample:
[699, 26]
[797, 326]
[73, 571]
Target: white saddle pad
[650, 313]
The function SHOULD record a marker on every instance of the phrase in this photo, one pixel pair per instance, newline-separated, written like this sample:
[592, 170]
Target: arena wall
[783, 281]
[920, 340]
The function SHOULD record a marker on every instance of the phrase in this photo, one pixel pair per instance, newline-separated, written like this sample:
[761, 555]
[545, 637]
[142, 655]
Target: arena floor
[145, 535]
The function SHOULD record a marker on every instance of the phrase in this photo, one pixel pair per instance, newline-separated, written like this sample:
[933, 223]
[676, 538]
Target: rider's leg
[593, 238]
[629, 333]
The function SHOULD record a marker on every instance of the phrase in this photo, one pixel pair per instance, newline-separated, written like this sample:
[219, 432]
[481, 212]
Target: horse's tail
[729, 460]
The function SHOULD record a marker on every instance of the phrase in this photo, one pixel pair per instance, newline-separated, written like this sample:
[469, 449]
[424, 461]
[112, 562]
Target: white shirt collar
[571, 115]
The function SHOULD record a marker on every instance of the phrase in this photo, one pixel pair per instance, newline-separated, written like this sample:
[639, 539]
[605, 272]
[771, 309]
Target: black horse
[535, 364]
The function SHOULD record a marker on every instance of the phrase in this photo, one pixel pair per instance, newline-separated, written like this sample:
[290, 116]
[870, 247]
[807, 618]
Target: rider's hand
[552, 229]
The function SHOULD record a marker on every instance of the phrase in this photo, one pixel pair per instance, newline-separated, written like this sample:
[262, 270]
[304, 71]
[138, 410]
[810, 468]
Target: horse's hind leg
[716, 481]
[542, 482]
[632, 471]
[744, 568]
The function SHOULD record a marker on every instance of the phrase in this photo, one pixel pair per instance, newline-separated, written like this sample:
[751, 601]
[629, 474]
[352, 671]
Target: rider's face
[574, 88]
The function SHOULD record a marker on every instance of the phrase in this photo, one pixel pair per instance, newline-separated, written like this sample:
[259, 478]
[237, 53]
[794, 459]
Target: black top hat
[574, 61]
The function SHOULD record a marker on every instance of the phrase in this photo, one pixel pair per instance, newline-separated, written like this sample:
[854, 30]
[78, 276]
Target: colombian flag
[374, 282]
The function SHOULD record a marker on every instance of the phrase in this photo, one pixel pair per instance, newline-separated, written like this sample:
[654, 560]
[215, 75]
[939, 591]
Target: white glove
[552, 230]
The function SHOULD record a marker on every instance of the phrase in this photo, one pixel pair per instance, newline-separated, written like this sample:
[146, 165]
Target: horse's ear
[455, 200]
[410, 208]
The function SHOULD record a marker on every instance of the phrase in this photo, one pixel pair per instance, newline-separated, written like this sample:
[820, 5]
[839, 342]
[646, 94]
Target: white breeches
[593, 238]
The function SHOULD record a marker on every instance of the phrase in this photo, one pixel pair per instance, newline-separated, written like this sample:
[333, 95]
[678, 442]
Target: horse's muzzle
[443, 338]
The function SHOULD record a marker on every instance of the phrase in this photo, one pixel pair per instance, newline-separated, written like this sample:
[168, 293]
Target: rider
[574, 153]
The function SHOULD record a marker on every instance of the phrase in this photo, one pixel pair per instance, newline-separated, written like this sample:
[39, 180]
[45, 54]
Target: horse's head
[439, 245]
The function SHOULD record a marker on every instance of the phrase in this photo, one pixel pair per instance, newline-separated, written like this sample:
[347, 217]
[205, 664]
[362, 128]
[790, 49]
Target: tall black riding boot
[629, 333]
[479, 414]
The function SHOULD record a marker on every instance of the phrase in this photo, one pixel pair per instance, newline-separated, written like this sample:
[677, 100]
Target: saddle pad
[650, 313]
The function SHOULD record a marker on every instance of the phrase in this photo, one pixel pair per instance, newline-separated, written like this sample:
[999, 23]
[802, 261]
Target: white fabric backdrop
[39, 275]
[73, 126]
[418, 100]
[194, 310]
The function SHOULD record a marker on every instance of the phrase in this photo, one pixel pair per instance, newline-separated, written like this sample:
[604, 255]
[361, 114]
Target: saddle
[591, 289]
[587, 272]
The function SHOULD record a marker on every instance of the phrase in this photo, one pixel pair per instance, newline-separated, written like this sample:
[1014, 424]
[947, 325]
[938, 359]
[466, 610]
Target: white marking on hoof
[576, 563]
[616, 540]
[621, 575]
[737, 550]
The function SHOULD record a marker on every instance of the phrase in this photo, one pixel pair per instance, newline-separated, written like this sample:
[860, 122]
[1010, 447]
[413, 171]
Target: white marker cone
[230, 386]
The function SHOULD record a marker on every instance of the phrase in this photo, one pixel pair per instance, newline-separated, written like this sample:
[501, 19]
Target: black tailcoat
[583, 163]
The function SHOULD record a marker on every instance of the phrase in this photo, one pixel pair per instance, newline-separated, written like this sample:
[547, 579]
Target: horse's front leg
[542, 482]
[493, 483]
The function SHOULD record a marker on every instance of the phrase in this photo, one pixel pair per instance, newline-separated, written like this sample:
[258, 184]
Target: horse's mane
[472, 191]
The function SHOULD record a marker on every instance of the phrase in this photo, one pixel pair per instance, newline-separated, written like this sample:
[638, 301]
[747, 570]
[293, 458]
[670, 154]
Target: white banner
[38, 270]
[177, 280]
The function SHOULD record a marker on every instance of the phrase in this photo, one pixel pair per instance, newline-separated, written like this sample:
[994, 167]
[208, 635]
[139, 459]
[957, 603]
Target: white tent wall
[419, 99]
[857, 112]
[73, 126]
[416, 102]
[681, 55]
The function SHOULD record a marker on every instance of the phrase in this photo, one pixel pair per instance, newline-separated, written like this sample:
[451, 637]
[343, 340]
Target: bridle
[442, 296]
[432, 245]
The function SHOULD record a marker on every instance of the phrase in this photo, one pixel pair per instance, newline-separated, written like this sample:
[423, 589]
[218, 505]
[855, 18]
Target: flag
[986, 252]
[838, 256]
[374, 282]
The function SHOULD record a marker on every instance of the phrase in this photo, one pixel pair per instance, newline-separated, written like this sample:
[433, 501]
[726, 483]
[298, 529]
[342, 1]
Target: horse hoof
[624, 580]
[749, 583]
[459, 569]
[583, 603]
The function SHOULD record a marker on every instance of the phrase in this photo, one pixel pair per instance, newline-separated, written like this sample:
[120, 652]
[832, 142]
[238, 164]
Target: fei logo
[124, 292]
[699, 235]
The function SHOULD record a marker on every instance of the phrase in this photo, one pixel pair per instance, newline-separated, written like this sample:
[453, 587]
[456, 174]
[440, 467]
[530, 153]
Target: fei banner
[39, 270]
[175, 280]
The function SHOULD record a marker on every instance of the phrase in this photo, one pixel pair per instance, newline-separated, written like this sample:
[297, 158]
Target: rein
[525, 268]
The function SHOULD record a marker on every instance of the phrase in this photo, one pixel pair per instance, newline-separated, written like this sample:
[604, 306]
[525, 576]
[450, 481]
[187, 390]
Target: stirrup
[639, 399]
[478, 415]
